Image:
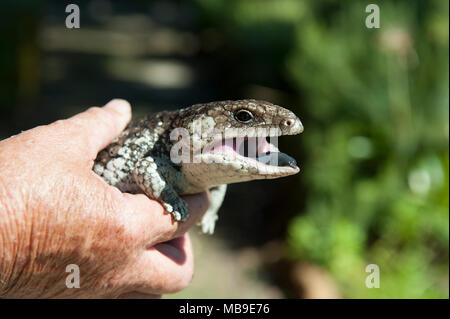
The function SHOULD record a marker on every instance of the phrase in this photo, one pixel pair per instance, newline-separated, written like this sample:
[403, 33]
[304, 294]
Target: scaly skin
[140, 159]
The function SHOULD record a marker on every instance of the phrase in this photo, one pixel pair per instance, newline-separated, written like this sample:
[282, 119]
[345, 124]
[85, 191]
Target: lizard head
[236, 141]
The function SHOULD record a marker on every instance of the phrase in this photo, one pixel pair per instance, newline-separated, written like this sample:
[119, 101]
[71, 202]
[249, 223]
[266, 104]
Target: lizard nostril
[288, 122]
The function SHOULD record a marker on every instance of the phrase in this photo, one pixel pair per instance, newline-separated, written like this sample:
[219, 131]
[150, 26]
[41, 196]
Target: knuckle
[95, 110]
[168, 228]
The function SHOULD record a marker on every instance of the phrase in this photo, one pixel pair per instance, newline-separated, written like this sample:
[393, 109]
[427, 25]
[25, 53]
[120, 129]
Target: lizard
[204, 146]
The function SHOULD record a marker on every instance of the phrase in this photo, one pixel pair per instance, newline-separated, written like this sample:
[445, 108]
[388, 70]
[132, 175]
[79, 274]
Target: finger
[149, 223]
[98, 126]
[160, 270]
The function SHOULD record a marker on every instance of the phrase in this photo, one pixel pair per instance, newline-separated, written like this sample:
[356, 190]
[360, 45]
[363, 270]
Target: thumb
[102, 124]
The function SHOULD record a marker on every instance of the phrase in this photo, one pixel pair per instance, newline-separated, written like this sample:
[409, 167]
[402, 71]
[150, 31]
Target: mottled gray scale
[138, 161]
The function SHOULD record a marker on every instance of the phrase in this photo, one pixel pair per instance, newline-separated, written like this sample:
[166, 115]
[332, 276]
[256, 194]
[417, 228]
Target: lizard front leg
[209, 219]
[151, 175]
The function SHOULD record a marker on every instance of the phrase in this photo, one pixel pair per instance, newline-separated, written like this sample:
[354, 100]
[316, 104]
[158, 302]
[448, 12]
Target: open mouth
[256, 149]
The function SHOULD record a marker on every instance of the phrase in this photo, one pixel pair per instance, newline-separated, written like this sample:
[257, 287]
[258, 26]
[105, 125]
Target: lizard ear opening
[243, 116]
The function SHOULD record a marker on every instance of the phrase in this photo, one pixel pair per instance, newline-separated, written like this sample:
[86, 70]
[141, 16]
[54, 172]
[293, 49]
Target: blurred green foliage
[375, 108]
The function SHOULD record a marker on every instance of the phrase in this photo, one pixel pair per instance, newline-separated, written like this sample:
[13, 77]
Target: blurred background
[374, 157]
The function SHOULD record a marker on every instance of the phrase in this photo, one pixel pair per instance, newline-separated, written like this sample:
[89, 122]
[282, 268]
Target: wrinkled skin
[55, 211]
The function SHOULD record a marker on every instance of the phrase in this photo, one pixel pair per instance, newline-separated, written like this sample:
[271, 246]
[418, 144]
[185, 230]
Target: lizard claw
[179, 210]
[168, 207]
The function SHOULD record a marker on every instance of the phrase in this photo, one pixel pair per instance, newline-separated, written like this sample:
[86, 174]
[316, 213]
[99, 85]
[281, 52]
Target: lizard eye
[243, 116]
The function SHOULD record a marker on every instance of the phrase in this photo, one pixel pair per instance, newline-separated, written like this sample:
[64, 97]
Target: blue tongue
[277, 159]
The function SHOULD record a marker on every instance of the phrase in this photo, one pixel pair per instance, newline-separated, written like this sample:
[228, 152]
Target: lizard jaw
[252, 156]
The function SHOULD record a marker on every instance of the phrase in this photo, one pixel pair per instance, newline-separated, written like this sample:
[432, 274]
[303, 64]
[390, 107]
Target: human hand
[55, 211]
